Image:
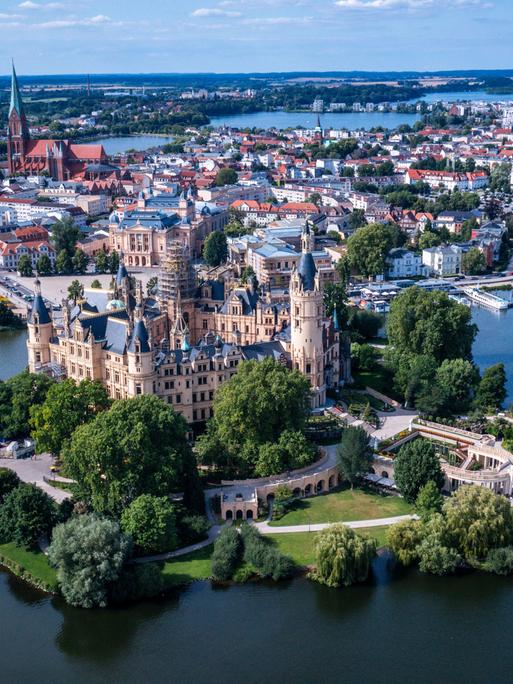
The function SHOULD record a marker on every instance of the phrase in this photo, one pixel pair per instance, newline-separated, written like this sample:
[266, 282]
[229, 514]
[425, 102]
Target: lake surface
[459, 95]
[281, 120]
[113, 145]
[13, 352]
[405, 627]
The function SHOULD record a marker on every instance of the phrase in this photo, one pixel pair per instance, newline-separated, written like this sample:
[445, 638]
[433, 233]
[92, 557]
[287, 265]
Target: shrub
[436, 558]
[192, 528]
[500, 561]
[343, 557]
[415, 465]
[266, 559]
[227, 550]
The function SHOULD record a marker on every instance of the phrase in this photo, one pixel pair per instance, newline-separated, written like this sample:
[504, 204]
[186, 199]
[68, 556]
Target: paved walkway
[34, 471]
[265, 528]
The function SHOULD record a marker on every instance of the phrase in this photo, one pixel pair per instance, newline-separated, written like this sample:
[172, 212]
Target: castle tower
[141, 367]
[307, 313]
[40, 330]
[18, 135]
[177, 285]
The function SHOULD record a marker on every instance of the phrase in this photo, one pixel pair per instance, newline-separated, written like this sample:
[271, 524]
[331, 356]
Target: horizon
[256, 35]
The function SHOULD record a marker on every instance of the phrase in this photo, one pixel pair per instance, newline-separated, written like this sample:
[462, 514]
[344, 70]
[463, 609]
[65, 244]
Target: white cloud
[99, 19]
[277, 21]
[40, 5]
[404, 4]
[214, 12]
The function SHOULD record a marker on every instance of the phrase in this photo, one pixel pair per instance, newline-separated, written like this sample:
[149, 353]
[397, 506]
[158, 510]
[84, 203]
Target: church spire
[16, 101]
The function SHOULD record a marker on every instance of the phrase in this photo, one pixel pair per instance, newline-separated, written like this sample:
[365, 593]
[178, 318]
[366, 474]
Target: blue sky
[78, 36]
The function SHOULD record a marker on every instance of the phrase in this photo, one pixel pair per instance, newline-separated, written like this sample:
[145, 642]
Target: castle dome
[115, 304]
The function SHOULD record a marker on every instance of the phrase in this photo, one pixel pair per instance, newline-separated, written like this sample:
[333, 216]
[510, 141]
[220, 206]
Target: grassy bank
[297, 545]
[31, 566]
[343, 506]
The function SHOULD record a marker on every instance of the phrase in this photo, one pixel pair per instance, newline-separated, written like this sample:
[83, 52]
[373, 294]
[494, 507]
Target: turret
[141, 367]
[40, 330]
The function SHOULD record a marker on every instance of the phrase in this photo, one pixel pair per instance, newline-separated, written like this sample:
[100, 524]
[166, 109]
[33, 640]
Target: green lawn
[342, 506]
[352, 397]
[35, 563]
[192, 566]
[300, 545]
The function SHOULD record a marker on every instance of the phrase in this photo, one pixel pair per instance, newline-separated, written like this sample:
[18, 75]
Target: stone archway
[249, 514]
[229, 515]
[384, 474]
[239, 515]
[319, 487]
[332, 481]
[308, 489]
[143, 261]
[297, 492]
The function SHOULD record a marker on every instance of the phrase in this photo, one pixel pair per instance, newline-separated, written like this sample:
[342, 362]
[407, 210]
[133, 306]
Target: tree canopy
[17, 395]
[260, 403]
[139, 446]
[368, 248]
[26, 514]
[215, 250]
[151, 523]
[491, 391]
[415, 465]
[88, 552]
[354, 454]
[430, 323]
[66, 406]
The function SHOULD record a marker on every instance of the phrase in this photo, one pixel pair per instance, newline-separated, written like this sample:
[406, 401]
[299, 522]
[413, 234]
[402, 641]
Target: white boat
[485, 298]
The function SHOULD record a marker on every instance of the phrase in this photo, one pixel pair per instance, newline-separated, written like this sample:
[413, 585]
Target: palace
[142, 345]
[60, 159]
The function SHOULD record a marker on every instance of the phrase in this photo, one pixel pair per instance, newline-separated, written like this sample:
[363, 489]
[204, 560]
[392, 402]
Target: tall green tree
[26, 514]
[8, 481]
[101, 262]
[226, 176]
[215, 250]
[473, 262]
[342, 557]
[75, 290]
[17, 396]
[113, 261]
[66, 406]
[151, 523]
[139, 446]
[354, 454]
[25, 266]
[478, 520]
[368, 248]
[430, 323]
[415, 465]
[80, 261]
[491, 391]
[457, 379]
[89, 552]
[64, 236]
[259, 404]
[44, 265]
[63, 263]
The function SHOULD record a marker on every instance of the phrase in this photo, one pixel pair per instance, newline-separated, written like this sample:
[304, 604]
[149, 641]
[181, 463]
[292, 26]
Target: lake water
[470, 95]
[13, 352]
[349, 120]
[405, 627]
[113, 145]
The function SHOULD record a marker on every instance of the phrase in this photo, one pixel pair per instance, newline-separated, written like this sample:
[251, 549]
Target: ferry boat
[485, 298]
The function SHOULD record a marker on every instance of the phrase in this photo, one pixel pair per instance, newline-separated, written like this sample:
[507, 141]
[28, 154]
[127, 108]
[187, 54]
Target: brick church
[60, 159]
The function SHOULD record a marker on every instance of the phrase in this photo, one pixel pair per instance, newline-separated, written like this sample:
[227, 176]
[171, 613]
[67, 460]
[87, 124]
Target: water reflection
[102, 635]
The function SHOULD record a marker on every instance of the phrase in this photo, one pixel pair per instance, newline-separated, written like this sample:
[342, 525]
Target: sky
[143, 36]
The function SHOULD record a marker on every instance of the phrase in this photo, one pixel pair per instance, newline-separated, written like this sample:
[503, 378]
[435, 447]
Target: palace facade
[185, 342]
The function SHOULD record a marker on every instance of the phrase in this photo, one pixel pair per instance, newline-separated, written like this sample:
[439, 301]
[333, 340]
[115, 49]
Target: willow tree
[343, 557]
